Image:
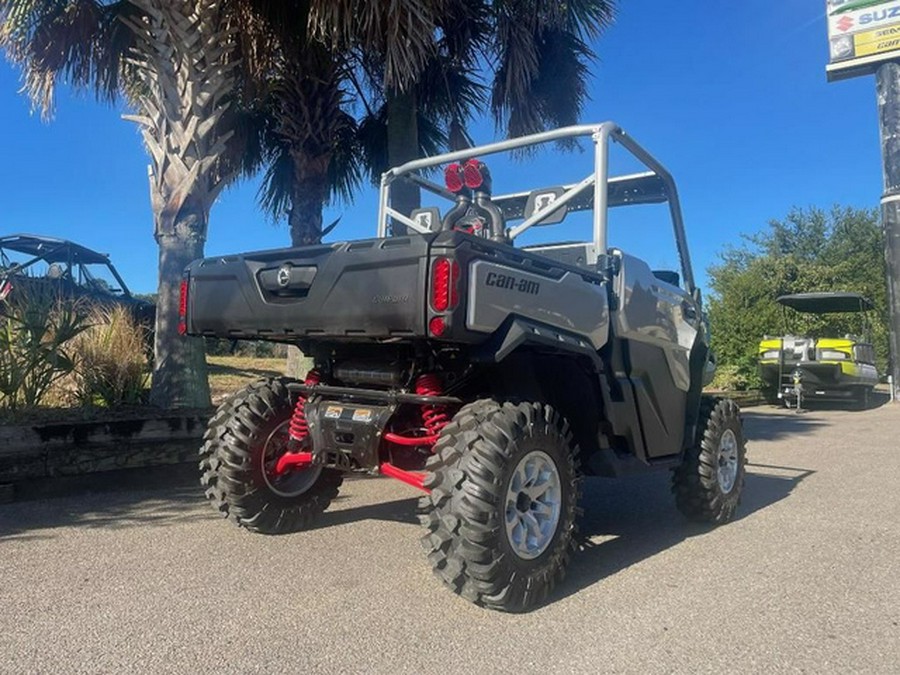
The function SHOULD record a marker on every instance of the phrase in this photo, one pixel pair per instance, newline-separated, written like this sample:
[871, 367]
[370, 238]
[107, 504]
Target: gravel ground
[148, 579]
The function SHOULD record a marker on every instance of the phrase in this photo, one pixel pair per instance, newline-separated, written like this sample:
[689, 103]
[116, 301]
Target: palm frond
[274, 193]
[450, 90]
[588, 18]
[373, 141]
[401, 32]
[541, 72]
[80, 41]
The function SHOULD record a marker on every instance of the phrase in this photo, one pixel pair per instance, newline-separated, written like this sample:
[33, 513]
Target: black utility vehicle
[493, 377]
[47, 267]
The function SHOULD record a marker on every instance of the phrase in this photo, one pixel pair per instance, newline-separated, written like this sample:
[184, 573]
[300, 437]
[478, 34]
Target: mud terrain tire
[709, 481]
[248, 431]
[500, 518]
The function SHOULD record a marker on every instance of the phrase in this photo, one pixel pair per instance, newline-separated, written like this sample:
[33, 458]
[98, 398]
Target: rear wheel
[710, 479]
[245, 438]
[500, 516]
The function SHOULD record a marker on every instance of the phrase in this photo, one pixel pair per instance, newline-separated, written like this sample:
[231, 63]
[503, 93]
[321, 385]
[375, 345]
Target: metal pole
[887, 82]
[601, 190]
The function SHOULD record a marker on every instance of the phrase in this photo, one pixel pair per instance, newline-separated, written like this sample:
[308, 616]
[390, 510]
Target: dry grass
[227, 374]
[112, 365]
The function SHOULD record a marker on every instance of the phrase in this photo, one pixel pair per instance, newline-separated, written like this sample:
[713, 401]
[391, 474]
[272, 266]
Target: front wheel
[245, 438]
[500, 516]
[710, 479]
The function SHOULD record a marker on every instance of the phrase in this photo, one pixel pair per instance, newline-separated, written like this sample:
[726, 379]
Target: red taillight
[453, 178]
[437, 326]
[182, 307]
[472, 174]
[444, 282]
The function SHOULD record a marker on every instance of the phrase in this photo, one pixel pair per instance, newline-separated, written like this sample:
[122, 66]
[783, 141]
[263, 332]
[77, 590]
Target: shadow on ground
[638, 519]
[771, 426]
[635, 517]
[163, 495]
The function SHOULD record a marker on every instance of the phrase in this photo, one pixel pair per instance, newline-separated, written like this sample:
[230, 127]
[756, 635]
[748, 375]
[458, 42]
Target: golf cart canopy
[826, 303]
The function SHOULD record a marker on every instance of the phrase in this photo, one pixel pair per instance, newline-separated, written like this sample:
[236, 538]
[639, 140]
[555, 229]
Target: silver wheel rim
[533, 504]
[293, 482]
[728, 461]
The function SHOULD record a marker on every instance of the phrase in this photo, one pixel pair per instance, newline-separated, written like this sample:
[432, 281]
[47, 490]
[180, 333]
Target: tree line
[809, 250]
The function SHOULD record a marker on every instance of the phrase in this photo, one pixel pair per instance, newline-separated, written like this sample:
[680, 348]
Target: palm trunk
[185, 64]
[403, 146]
[179, 372]
[305, 219]
[309, 193]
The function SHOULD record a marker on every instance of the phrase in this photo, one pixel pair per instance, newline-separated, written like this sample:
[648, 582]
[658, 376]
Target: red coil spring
[299, 429]
[434, 416]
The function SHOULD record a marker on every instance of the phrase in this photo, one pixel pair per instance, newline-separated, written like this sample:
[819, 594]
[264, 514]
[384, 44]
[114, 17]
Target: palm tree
[308, 131]
[396, 40]
[175, 62]
[429, 54]
[311, 142]
[541, 57]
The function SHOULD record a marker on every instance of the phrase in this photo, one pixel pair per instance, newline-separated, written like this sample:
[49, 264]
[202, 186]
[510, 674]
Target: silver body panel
[656, 313]
[568, 303]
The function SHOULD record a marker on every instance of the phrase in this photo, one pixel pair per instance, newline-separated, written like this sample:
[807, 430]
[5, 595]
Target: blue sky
[730, 96]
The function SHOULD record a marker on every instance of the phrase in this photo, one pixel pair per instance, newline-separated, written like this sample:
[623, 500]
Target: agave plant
[36, 334]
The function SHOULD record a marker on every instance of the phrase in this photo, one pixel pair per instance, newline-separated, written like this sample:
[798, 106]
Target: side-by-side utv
[826, 367]
[490, 375]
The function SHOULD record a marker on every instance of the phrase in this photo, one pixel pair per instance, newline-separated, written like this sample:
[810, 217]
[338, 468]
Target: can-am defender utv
[488, 376]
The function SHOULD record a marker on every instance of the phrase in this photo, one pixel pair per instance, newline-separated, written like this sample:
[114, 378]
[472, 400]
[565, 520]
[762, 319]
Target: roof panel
[52, 249]
[826, 303]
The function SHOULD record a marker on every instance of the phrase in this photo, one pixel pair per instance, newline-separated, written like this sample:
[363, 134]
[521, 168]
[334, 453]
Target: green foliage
[810, 250]
[36, 334]
[734, 377]
[149, 297]
[245, 348]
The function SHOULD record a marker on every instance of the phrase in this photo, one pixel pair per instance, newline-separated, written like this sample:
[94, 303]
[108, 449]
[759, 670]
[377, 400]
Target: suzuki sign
[861, 35]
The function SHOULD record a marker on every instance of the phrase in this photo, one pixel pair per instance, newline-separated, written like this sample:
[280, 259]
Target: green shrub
[111, 360]
[735, 377]
[250, 348]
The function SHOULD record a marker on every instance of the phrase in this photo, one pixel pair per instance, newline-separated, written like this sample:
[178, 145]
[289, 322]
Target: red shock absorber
[299, 429]
[434, 416]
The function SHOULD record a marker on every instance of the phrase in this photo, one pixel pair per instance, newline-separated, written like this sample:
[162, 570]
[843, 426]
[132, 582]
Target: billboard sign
[861, 35]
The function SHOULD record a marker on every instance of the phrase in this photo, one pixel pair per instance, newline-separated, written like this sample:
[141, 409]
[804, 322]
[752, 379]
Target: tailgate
[370, 288]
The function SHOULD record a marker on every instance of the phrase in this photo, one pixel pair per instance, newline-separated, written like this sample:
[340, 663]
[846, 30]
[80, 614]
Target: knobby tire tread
[229, 455]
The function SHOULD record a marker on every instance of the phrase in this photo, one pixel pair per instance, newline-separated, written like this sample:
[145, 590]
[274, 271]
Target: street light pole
[887, 83]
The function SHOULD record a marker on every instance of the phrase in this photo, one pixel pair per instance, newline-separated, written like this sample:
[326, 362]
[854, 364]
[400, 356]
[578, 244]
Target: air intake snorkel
[464, 180]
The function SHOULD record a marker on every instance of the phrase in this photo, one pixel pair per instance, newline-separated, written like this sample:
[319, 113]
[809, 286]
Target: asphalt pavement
[147, 579]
